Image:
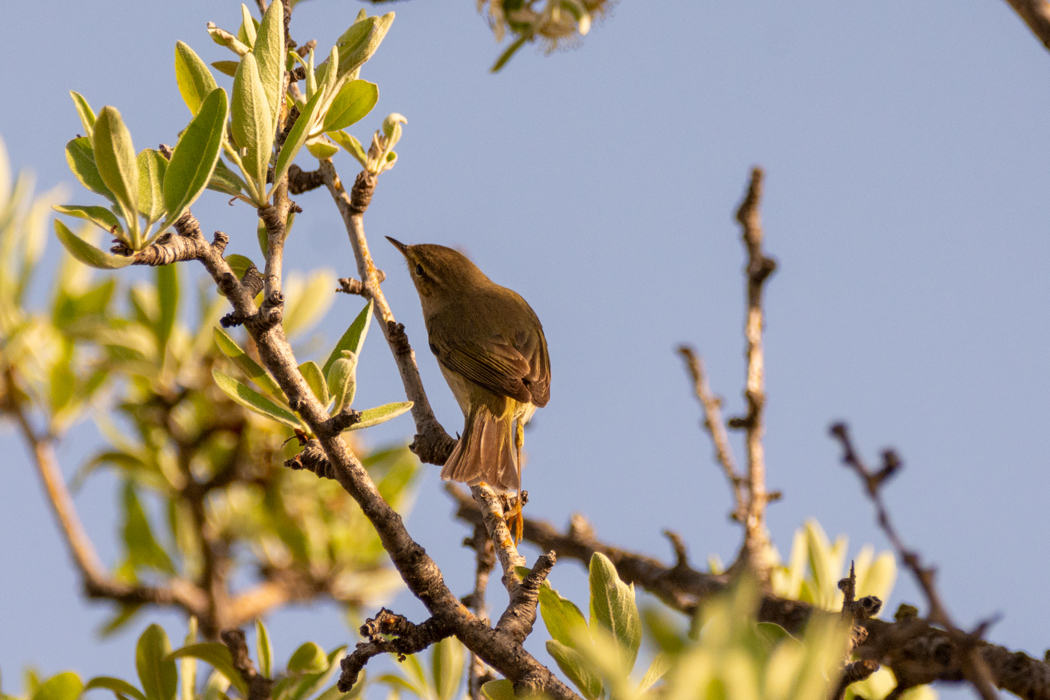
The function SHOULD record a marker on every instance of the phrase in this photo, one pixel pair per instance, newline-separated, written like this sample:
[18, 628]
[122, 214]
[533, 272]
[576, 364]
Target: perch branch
[259, 686]
[432, 444]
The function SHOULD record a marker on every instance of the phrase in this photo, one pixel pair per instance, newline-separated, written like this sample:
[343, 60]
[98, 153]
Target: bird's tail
[485, 453]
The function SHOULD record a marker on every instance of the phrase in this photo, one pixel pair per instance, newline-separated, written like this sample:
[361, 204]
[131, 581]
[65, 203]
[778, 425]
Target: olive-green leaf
[115, 158]
[446, 667]
[499, 690]
[84, 111]
[309, 658]
[143, 549]
[191, 73]
[353, 338]
[613, 607]
[195, 156]
[342, 381]
[248, 29]
[62, 686]
[296, 137]
[225, 180]
[81, 159]
[263, 649]
[315, 380]
[218, 657]
[239, 264]
[100, 216]
[87, 253]
[157, 672]
[254, 401]
[352, 146]
[152, 166]
[226, 67]
[573, 665]
[252, 121]
[354, 100]
[560, 615]
[269, 54]
[119, 687]
[381, 414]
[167, 303]
[250, 367]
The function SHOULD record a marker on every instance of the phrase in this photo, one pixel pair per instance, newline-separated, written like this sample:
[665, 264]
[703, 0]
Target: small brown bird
[491, 350]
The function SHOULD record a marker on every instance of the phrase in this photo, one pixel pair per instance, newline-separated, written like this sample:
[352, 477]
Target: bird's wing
[533, 347]
[496, 365]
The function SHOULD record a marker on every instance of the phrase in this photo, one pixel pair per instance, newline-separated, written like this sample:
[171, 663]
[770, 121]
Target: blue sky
[905, 146]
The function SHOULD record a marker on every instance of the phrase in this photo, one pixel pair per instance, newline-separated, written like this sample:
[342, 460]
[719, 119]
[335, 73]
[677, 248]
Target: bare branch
[716, 428]
[974, 667]
[259, 686]
[407, 639]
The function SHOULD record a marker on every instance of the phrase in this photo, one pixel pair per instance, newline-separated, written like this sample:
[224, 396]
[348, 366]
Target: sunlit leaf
[263, 649]
[115, 158]
[191, 73]
[84, 111]
[296, 137]
[143, 549]
[151, 165]
[354, 337]
[353, 102]
[254, 401]
[87, 253]
[81, 159]
[252, 121]
[579, 671]
[120, 688]
[100, 216]
[560, 615]
[269, 54]
[381, 414]
[157, 673]
[315, 380]
[195, 155]
[62, 686]
[613, 607]
[252, 369]
[218, 657]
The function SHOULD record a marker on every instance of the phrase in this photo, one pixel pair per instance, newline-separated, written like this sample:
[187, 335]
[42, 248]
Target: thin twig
[974, 669]
[716, 428]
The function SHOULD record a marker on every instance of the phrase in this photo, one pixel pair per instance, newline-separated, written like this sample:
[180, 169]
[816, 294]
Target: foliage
[556, 23]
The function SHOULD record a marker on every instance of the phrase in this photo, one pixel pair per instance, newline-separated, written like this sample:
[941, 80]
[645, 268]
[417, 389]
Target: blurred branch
[432, 444]
[259, 687]
[1036, 14]
[974, 668]
[485, 556]
[853, 611]
[757, 551]
[916, 651]
[715, 426]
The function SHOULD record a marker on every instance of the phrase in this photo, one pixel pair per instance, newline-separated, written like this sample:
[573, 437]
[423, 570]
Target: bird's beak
[399, 245]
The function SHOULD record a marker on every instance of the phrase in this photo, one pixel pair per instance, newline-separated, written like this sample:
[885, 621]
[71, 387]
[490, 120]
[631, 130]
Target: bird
[491, 349]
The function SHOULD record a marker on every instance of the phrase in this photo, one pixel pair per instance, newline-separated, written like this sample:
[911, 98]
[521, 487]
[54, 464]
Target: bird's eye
[419, 270]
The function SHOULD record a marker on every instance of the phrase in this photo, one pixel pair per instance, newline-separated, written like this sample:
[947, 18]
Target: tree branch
[1036, 14]
[408, 639]
[432, 444]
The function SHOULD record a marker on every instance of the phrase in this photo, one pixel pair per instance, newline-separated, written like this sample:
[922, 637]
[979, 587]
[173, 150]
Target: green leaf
[353, 102]
[121, 688]
[151, 165]
[309, 658]
[315, 380]
[342, 381]
[308, 302]
[100, 216]
[187, 665]
[81, 159]
[353, 338]
[168, 303]
[263, 649]
[247, 32]
[254, 401]
[122, 617]
[62, 686]
[351, 145]
[195, 155]
[252, 121]
[239, 264]
[115, 158]
[321, 147]
[191, 73]
[560, 615]
[84, 111]
[613, 607]
[381, 414]
[446, 667]
[226, 67]
[269, 54]
[252, 369]
[157, 672]
[661, 665]
[499, 690]
[296, 137]
[143, 549]
[360, 41]
[225, 180]
[573, 665]
[87, 253]
[218, 657]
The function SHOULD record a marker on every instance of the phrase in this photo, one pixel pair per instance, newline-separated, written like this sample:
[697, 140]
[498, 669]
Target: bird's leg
[519, 518]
